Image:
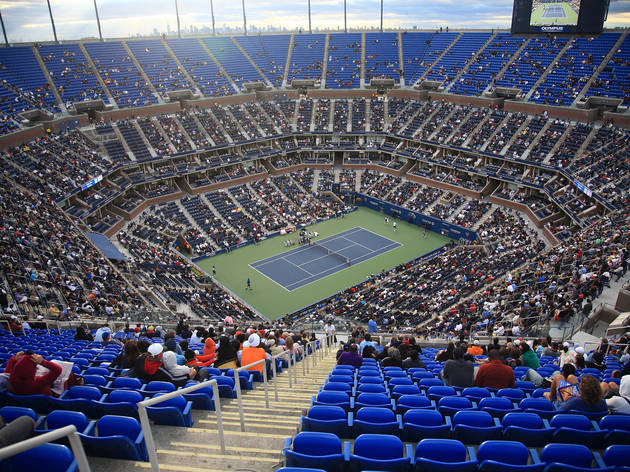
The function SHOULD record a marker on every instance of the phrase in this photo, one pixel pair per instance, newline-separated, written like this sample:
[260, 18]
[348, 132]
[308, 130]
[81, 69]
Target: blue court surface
[305, 264]
[554, 11]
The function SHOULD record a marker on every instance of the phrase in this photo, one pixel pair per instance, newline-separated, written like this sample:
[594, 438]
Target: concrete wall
[566, 113]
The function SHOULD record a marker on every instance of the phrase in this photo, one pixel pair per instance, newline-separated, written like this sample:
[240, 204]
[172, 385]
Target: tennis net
[331, 252]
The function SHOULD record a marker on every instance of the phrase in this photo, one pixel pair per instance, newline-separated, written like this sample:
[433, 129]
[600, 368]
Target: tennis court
[306, 264]
[554, 11]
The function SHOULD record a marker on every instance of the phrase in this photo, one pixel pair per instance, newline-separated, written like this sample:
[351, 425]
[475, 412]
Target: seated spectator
[458, 372]
[413, 361]
[366, 342]
[369, 352]
[590, 398]
[475, 349]
[393, 358]
[226, 354]
[209, 349]
[351, 357]
[495, 374]
[252, 352]
[127, 358]
[563, 386]
[446, 354]
[528, 356]
[273, 346]
[620, 403]
[83, 335]
[23, 378]
[107, 339]
[170, 343]
[98, 336]
[179, 373]
[150, 366]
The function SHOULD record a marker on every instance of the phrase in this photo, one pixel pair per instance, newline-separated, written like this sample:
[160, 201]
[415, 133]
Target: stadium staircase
[90, 62]
[325, 62]
[51, 82]
[602, 66]
[506, 66]
[257, 449]
[219, 65]
[254, 65]
[181, 67]
[471, 61]
[516, 135]
[163, 134]
[363, 84]
[550, 68]
[144, 75]
[437, 59]
[287, 65]
[401, 60]
[559, 143]
[123, 142]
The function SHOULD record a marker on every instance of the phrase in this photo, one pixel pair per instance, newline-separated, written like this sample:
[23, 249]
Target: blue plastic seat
[618, 456]
[370, 380]
[376, 420]
[315, 450]
[448, 406]
[408, 402]
[425, 384]
[439, 391]
[246, 378]
[225, 385]
[332, 398]
[127, 382]
[417, 376]
[514, 394]
[59, 418]
[56, 457]
[474, 427]
[541, 406]
[444, 455]
[172, 412]
[379, 452]
[398, 381]
[400, 390]
[9, 413]
[158, 386]
[373, 399]
[119, 403]
[82, 391]
[326, 419]
[525, 386]
[372, 388]
[95, 380]
[338, 387]
[576, 429]
[117, 437]
[341, 378]
[617, 429]
[506, 456]
[527, 428]
[422, 424]
[202, 399]
[497, 407]
[476, 393]
[567, 457]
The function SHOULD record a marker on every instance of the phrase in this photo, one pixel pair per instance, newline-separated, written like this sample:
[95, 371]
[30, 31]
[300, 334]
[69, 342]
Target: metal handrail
[237, 385]
[69, 431]
[146, 426]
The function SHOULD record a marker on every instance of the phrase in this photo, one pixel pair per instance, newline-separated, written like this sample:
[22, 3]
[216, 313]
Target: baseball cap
[155, 349]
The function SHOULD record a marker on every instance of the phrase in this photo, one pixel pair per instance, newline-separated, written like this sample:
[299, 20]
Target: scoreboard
[559, 16]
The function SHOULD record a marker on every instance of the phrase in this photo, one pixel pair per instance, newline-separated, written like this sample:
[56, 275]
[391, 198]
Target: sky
[29, 20]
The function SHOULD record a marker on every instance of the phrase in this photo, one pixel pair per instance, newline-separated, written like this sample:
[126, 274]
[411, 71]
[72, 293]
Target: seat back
[423, 418]
[567, 420]
[316, 444]
[478, 419]
[9, 413]
[441, 450]
[338, 387]
[571, 454]
[522, 420]
[127, 382]
[122, 396]
[536, 404]
[511, 393]
[375, 415]
[378, 446]
[373, 399]
[60, 418]
[158, 386]
[326, 413]
[617, 455]
[506, 452]
[110, 425]
[83, 391]
[56, 457]
[371, 388]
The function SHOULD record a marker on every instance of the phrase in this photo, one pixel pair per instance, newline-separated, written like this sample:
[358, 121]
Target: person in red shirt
[24, 380]
[495, 374]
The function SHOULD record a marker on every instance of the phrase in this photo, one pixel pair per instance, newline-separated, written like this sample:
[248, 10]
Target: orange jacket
[253, 354]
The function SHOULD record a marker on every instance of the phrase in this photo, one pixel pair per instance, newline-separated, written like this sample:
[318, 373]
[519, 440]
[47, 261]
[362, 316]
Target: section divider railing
[69, 431]
[146, 426]
[237, 386]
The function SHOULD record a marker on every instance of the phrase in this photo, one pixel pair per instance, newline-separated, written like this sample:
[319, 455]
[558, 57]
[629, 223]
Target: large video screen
[559, 16]
[553, 12]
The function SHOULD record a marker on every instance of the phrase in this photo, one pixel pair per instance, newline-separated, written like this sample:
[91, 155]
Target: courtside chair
[444, 455]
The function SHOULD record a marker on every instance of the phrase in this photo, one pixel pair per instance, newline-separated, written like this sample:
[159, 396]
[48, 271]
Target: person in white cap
[252, 352]
[150, 366]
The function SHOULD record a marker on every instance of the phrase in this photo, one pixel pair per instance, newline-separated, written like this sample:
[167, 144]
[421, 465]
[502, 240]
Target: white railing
[69, 431]
[146, 426]
[237, 386]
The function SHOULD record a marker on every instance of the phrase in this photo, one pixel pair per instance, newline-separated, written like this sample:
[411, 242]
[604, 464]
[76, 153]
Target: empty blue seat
[376, 420]
[172, 412]
[514, 394]
[506, 456]
[225, 385]
[332, 398]
[525, 386]
[82, 391]
[437, 392]
[448, 406]
[567, 457]
[400, 390]
[417, 376]
[497, 407]
[373, 399]
[379, 452]
[421, 424]
[395, 381]
[117, 437]
[444, 455]
[425, 384]
[119, 403]
[371, 388]
[326, 419]
[127, 382]
[59, 418]
[576, 429]
[476, 393]
[341, 378]
[370, 380]
[618, 456]
[474, 427]
[408, 402]
[9, 413]
[338, 387]
[541, 406]
[617, 429]
[56, 457]
[158, 386]
[201, 399]
[95, 380]
[315, 450]
[527, 428]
